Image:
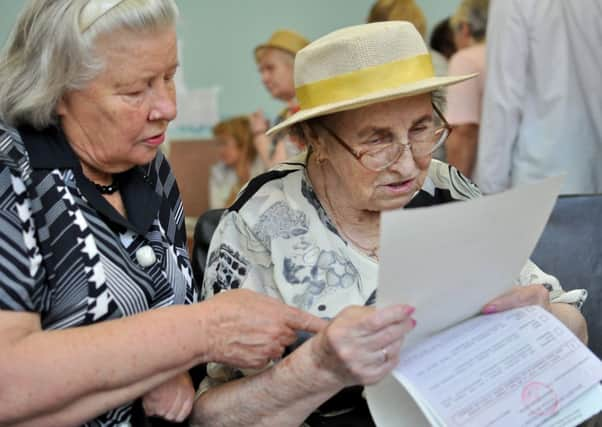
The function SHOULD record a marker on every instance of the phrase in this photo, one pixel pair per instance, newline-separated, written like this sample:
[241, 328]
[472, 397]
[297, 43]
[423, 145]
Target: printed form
[517, 368]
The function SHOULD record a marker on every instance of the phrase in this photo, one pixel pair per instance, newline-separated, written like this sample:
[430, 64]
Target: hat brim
[403, 91]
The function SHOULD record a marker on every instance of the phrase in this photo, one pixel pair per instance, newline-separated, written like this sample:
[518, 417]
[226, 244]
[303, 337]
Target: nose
[163, 105]
[405, 164]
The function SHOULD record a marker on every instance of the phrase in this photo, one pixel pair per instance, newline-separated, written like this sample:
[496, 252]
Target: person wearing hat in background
[307, 232]
[464, 101]
[275, 60]
[238, 163]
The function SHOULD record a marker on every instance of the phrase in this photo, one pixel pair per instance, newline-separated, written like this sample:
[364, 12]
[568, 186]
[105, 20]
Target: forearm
[88, 407]
[284, 395]
[462, 148]
[572, 319]
[43, 371]
[263, 145]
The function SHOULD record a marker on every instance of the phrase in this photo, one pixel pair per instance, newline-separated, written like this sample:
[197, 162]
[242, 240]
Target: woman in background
[239, 161]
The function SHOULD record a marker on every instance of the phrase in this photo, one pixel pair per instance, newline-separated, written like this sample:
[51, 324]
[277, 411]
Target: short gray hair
[474, 13]
[48, 55]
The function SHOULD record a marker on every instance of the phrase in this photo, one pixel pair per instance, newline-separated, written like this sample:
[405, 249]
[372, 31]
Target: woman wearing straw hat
[308, 232]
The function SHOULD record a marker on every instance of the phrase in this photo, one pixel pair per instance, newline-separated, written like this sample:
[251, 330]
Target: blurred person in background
[464, 100]
[442, 39]
[275, 60]
[239, 161]
[543, 103]
[407, 10]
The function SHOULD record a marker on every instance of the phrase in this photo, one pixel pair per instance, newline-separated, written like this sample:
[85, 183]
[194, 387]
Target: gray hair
[474, 14]
[47, 54]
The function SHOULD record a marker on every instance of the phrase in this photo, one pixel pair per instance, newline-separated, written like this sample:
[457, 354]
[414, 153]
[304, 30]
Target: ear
[61, 106]
[316, 141]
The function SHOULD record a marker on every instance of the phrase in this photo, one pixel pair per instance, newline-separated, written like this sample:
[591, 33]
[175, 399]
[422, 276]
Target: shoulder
[273, 185]
[445, 183]
[468, 60]
[13, 154]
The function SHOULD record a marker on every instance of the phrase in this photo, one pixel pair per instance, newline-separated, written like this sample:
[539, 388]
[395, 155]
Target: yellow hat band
[359, 83]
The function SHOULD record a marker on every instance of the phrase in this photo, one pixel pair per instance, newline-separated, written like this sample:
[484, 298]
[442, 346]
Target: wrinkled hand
[258, 122]
[519, 296]
[172, 400]
[362, 344]
[247, 329]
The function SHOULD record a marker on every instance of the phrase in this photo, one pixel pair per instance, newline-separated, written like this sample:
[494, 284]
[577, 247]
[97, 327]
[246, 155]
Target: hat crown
[355, 48]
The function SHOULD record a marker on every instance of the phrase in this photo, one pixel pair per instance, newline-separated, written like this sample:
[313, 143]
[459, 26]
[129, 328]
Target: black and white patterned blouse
[68, 255]
[277, 239]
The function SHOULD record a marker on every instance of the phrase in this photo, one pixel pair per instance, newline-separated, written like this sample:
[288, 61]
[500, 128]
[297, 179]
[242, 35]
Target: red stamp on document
[539, 399]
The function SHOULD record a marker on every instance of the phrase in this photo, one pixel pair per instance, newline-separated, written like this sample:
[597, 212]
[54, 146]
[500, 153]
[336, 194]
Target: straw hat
[287, 40]
[362, 65]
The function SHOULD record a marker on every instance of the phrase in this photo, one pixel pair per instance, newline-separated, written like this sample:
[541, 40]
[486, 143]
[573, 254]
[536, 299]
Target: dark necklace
[108, 189]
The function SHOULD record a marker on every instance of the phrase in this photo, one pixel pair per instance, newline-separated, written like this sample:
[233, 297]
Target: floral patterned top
[278, 239]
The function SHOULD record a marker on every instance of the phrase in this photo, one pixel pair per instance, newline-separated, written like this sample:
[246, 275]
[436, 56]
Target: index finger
[300, 320]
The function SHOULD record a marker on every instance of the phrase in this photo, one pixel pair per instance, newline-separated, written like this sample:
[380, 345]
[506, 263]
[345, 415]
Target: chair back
[570, 248]
[203, 231]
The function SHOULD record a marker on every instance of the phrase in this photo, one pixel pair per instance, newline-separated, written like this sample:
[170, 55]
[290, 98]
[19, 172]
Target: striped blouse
[68, 255]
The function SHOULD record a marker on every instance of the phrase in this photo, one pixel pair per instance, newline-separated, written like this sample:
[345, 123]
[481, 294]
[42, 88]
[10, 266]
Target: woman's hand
[247, 329]
[172, 400]
[519, 296]
[362, 344]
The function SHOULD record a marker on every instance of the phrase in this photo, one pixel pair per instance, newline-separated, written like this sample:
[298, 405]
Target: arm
[90, 368]
[461, 148]
[463, 113]
[505, 86]
[111, 363]
[349, 351]
[263, 143]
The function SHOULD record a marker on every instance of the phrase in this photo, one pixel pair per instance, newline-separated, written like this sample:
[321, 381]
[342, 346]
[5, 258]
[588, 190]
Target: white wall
[218, 38]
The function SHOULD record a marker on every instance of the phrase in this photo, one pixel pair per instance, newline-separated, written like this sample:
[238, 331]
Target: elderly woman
[238, 163]
[308, 232]
[92, 228]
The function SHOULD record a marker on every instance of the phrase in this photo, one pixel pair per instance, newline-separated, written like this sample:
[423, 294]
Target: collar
[49, 149]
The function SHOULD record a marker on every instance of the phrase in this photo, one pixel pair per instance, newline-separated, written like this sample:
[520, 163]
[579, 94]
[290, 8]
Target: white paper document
[448, 261]
[516, 368]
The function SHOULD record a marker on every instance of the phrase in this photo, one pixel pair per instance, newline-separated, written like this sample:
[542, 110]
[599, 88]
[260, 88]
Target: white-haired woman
[91, 227]
[308, 232]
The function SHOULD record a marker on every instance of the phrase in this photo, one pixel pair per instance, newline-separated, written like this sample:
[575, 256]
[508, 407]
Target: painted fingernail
[489, 309]
[409, 310]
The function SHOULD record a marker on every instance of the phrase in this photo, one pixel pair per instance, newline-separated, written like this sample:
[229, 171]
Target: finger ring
[385, 355]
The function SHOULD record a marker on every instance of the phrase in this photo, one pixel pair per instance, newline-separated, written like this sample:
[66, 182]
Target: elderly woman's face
[119, 119]
[394, 186]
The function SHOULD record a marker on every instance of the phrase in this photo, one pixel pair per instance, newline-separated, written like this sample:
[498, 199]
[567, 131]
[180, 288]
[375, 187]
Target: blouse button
[146, 256]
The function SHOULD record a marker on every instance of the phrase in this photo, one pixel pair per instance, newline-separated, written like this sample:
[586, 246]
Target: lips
[156, 139]
[401, 187]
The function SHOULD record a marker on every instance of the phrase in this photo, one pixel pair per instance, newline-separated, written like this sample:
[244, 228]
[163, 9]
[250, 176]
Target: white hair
[48, 55]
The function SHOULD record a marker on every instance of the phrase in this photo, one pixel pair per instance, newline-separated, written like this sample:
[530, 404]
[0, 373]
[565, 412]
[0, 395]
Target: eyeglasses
[421, 143]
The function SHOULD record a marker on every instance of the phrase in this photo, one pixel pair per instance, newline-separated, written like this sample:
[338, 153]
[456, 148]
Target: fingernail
[489, 309]
[409, 310]
[413, 323]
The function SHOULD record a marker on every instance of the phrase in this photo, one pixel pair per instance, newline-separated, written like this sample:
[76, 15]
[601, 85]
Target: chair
[203, 231]
[571, 249]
